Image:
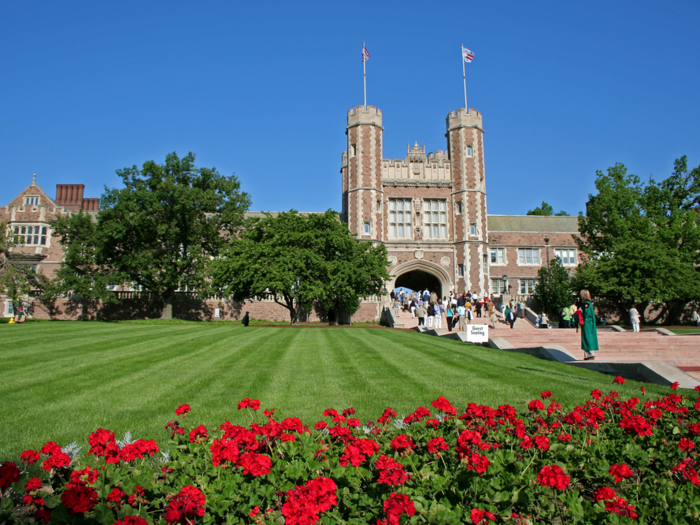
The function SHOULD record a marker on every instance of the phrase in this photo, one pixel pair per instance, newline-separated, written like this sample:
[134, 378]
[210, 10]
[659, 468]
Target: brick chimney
[70, 196]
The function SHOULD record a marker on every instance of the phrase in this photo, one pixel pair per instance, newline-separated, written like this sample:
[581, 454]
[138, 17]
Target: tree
[17, 279]
[553, 289]
[546, 209]
[300, 260]
[163, 228]
[642, 242]
[82, 273]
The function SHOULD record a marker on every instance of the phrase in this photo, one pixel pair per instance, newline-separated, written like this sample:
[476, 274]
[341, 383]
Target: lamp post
[546, 242]
[505, 280]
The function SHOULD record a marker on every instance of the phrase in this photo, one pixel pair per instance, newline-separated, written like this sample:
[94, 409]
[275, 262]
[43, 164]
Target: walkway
[520, 324]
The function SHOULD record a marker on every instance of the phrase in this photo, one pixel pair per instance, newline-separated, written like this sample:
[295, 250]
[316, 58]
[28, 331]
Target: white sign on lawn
[477, 333]
[216, 312]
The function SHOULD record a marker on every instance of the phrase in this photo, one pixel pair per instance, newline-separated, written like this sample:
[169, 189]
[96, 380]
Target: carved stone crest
[418, 254]
[445, 261]
[392, 260]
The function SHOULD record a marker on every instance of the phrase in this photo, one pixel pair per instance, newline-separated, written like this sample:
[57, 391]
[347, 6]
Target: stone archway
[422, 274]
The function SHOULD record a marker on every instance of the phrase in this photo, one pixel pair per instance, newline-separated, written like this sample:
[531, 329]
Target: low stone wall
[188, 309]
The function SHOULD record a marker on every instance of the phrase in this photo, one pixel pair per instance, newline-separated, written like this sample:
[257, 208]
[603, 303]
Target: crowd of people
[457, 310]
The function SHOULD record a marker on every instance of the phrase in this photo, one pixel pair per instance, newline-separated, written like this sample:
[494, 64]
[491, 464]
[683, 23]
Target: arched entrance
[419, 274]
[419, 280]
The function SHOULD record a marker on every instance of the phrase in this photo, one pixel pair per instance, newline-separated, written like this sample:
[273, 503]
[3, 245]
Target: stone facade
[429, 209]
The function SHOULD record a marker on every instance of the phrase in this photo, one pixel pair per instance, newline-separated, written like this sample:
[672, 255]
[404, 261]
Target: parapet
[461, 119]
[359, 115]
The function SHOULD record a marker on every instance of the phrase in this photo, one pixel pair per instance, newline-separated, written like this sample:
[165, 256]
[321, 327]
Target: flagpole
[364, 72]
[464, 77]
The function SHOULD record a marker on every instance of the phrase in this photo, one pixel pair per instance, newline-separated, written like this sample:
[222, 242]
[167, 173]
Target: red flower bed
[607, 460]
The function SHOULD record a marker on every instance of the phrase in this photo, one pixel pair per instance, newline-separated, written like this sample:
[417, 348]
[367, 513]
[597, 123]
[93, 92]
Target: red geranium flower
[402, 443]
[686, 444]
[29, 457]
[535, 405]
[396, 506]
[115, 497]
[620, 472]
[481, 516]
[437, 444]
[564, 437]
[387, 416]
[56, 460]
[320, 425]
[621, 507]
[255, 464]
[443, 404]
[87, 476]
[542, 442]
[32, 485]
[249, 403]
[674, 385]
[604, 493]
[596, 394]
[391, 472]
[187, 504]
[9, 474]
[305, 502]
[619, 380]
[553, 476]
[546, 394]
[199, 434]
[79, 499]
[182, 410]
[224, 450]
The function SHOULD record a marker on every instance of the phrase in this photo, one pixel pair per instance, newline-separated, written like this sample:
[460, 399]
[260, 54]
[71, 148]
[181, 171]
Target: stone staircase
[683, 351]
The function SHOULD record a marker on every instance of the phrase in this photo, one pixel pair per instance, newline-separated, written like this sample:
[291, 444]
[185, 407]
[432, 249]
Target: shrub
[607, 460]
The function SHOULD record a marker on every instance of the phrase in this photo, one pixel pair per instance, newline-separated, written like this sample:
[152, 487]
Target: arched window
[367, 228]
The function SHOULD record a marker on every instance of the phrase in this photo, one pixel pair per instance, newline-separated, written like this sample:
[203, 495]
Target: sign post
[217, 314]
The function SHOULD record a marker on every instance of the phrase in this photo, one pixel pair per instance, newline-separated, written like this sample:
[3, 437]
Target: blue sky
[262, 89]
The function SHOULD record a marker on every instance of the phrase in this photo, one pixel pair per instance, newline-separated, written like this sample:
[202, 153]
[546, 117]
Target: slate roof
[532, 223]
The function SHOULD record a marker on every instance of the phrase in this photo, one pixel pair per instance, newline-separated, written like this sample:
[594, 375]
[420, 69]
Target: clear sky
[262, 89]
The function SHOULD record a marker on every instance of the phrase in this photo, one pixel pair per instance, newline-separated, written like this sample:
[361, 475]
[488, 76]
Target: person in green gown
[589, 335]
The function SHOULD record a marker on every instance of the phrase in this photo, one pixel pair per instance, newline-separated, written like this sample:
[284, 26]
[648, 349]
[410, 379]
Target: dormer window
[31, 201]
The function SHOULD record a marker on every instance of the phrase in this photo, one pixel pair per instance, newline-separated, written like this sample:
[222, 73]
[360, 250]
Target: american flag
[468, 55]
[365, 55]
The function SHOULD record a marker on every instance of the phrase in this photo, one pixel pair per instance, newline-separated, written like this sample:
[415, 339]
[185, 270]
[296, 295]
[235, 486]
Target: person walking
[493, 319]
[439, 310]
[589, 334]
[246, 319]
[510, 317]
[420, 312]
[431, 314]
[521, 310]
[478, 307]
[449, 313]
[565, 317]
[696, 318]
[634, 318]
[573, 310]
[461, 318]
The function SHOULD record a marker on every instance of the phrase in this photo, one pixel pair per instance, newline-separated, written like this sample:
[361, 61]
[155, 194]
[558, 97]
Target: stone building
[430, 211]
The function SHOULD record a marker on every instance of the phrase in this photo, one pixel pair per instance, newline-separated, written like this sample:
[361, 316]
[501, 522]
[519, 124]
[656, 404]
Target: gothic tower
[361, 169]
[465, 140]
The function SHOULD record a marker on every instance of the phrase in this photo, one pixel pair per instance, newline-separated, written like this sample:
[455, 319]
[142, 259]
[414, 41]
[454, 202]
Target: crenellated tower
[361, 169]
[465, 138]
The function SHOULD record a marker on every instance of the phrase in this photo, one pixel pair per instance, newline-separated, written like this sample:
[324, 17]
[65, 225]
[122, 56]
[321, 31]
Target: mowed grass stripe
[64, 380]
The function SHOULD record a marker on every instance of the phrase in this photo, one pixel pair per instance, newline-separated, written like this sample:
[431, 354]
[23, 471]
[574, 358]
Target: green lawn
[61, 380]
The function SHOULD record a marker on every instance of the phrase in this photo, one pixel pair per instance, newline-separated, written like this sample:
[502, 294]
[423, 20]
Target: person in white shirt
[696, 318]
[462, 318]
[438, 315]
[634, 318]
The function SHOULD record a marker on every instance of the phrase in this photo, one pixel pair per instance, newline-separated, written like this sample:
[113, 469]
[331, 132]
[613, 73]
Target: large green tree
[553, 290]
[299, 261]
[159, 232]
[642, 241]
[547, 210]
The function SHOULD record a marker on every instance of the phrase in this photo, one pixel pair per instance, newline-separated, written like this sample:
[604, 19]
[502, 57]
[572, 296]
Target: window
[529, 256]
[31, 234]
[367, 228]
[10, 308]
[568, 257]
[498, 255]
[435, 219]
[400, 218]
[459, 207]
[498, 286]
[469, 151]
[461, 270]
[31, 201]
[527, 286]
[472, 228]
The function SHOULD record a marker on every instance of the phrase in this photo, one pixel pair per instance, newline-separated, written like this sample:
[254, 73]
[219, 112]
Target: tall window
[31, 201]
[367, 228]
[529, 256]
[568, 257]
[498, 286]
[527, 286]
[472, 228]
[461, 270]
[435, 219]
[31, 235]
[400, 218]
[498, 255]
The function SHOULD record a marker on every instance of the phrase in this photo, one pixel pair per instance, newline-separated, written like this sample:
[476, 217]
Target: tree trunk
[168, 307]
